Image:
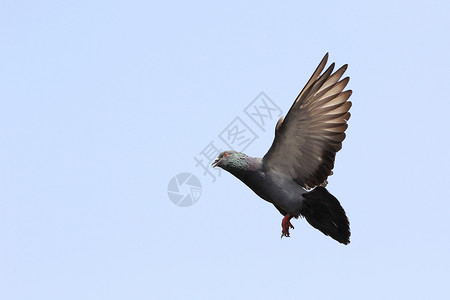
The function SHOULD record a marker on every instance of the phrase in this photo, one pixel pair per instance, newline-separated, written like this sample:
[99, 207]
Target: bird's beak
[214, 164]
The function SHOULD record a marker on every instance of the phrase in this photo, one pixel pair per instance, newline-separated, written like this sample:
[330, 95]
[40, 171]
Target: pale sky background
[103, 102]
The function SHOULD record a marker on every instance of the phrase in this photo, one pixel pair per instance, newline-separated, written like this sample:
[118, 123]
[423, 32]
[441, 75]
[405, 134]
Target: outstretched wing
[307, 140]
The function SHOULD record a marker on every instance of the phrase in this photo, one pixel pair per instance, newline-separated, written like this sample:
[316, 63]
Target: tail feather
[324, 212]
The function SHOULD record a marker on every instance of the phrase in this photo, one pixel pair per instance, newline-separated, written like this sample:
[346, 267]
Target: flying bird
[293, 173]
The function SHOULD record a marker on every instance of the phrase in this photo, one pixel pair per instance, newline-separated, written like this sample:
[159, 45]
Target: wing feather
[307, 139]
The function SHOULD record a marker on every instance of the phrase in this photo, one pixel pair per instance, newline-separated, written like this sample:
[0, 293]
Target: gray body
[281, 191]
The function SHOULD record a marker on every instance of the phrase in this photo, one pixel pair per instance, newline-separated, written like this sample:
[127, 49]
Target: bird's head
[230, 159]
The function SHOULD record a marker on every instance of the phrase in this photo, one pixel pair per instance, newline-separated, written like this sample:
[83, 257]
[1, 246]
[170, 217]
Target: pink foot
[285, 225]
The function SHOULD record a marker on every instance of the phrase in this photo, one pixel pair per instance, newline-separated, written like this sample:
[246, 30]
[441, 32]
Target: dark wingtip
[324, 59]
[344, 68]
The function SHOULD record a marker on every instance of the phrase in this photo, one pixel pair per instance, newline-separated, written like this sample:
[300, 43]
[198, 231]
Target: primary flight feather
[293, 173]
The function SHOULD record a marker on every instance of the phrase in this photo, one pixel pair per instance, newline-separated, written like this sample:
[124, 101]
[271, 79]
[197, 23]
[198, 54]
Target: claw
[285, 225]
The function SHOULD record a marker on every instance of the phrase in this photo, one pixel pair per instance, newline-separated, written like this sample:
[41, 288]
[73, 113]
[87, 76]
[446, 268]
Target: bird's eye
[225, 154]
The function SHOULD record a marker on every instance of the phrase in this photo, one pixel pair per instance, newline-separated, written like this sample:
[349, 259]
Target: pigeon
[293, 174]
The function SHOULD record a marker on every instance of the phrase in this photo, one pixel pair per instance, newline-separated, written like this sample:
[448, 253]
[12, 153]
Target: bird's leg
[285, 225]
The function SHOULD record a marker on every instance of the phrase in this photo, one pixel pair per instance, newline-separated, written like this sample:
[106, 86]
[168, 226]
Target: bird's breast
[277, 189]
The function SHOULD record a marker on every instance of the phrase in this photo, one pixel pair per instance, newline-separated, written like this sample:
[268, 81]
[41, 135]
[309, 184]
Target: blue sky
[104, 102]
